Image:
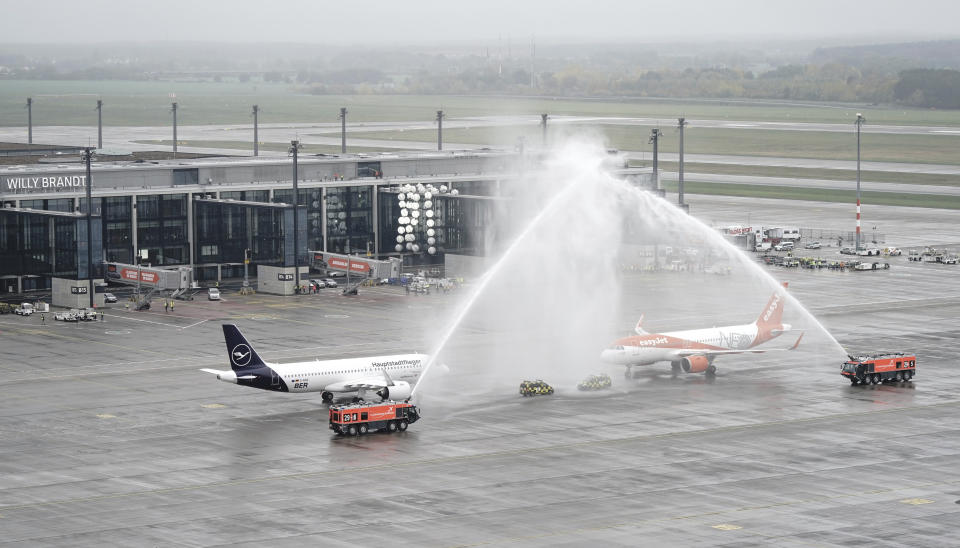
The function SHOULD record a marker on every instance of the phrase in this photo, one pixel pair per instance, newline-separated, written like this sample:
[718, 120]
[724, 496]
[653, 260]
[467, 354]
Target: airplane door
[274, 378]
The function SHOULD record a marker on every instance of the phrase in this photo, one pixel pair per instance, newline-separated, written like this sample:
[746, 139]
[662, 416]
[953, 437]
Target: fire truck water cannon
[881, 367]
[362, 417]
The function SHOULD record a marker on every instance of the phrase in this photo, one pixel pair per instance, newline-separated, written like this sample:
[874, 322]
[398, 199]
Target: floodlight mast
[87, 153]
[859, 122]
[655, 134]
[440, 130]
[256, 136]
[343, 130]
[294, 149]
[99, 123]
[681, 123]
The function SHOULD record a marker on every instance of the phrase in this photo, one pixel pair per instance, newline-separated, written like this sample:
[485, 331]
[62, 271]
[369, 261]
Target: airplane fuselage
[660, 347]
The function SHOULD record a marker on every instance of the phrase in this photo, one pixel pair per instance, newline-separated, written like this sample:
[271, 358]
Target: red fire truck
[359, 418]
[877, 368]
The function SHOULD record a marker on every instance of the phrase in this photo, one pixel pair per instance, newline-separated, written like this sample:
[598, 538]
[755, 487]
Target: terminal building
[212, 213]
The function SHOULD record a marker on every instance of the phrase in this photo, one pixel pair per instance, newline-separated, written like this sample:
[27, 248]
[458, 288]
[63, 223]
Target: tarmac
[111, 436]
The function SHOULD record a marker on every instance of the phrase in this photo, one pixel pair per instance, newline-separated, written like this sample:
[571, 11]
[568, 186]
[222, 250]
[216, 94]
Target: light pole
[655, 134]
[294, 149]
[256, 137]
[439, 130]
[859, 122]
[87, 153]
[173, 109]
[99, 125]
[543, 126]
[30, 120]
[681, 123]
[343, 130]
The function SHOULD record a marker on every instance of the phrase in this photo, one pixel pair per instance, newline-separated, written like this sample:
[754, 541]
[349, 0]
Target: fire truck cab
[877, 368]
[359, 418]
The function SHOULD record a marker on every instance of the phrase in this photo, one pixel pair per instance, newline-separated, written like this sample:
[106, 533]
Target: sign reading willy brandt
[26, 184]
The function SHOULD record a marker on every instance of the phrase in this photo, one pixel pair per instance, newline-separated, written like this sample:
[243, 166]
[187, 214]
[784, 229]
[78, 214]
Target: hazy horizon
[497, 24]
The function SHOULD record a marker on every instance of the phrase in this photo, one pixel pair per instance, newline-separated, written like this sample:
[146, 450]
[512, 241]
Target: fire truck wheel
[352, 430]
[909, 375]
[363, 429]
[876, 378]
[391, 426]
[402, 425]
[854, 381]
[900, 376]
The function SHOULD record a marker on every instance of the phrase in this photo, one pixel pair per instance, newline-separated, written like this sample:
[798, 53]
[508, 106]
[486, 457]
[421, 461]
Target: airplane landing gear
[675, 368]
[628, 374]
[711, 371]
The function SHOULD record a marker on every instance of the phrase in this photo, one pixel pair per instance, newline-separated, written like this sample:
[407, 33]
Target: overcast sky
[431, 21]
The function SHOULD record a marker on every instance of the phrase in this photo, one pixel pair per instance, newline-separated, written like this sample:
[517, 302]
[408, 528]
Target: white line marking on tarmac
[142, 320]
[193, 324]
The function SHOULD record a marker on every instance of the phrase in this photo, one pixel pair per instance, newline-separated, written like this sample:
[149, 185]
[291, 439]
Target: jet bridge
[176, 279]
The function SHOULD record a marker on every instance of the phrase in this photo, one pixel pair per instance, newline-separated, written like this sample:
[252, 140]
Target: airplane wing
[687, 353]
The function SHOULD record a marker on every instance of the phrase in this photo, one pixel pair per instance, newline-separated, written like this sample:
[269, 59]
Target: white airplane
[693, 351]
[329, 377]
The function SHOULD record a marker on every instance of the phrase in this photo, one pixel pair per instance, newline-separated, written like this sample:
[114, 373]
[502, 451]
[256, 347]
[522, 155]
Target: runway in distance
[329, 377]
[693, 351]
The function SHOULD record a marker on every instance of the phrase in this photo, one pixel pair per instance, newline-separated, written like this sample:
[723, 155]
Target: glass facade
[162, 228]
[225, 230]
[350, 219]
[460, 224]
[42, 245]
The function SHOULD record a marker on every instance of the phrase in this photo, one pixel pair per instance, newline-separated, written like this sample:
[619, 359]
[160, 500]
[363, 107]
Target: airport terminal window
[186, 176]
[349, 219]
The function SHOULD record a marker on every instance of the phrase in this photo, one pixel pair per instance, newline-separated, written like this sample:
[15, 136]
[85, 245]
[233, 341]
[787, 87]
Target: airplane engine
[398, 392]
[227, 376]
[695, 364]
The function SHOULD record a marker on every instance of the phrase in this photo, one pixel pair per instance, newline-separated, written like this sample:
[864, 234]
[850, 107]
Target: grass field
[128, 103]
[806, 173]
[816, 195]
[879, 147]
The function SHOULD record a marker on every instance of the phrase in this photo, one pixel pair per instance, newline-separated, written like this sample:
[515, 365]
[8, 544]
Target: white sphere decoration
[443, 188]
[342, 215]
[401, 221]
[409, 229]
[429, 213]
[401, 197]
[431, 241]
[399, 239]
[416, 248]
[430, 223]
[416, 214]
[400, 230]
[414, 222]
[428, 204]
[402, 204]
[428, 195]
[432, 250]
[409, 246]
[398, 247]
[420, 188]
[431, 232]
[404, 212]
[454, 192]
[409, 238]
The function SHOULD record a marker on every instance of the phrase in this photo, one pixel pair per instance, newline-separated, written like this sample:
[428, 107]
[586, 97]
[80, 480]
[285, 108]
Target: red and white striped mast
[858, 123]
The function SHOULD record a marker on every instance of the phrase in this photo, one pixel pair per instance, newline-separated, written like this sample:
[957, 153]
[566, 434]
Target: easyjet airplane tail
[770, 323]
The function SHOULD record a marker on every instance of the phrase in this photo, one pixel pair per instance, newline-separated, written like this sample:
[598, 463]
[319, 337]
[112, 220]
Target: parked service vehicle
[595, 382]
[848, 251]
[67, 315]
[24, 309]
[109, 298]
[763, 246]
[869, 251]
[213, 294]
[535, 388]
[784, 246]
[877, 368]
[330, 282]
[864, 265]
[893, 251]
[320, 284]
[360, 418]
[813, 245]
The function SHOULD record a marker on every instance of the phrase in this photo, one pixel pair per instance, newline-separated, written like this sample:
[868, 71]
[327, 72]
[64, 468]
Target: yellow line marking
[727, 527]
[916, 501]
[213, 406]
[106, 416]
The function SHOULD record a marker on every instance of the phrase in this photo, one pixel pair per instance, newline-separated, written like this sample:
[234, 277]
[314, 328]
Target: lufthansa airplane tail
[242, 355]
